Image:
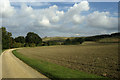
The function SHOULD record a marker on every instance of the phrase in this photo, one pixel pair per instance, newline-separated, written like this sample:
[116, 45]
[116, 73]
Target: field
[100, 59]
[56, 38]
[109, 40]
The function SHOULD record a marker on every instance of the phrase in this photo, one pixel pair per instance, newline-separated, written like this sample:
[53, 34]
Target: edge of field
[54, 71]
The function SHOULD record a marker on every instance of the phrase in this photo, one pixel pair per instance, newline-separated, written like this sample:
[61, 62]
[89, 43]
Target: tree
[74, 41]
[67, 41]
[17, 45]
[33, 38]
[20, 39]
[77, 41]
[52, 43]
[115, 34]
[7, 40]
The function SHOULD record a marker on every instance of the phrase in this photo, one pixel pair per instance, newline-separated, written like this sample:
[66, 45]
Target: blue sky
[100, 6]
[62, 18]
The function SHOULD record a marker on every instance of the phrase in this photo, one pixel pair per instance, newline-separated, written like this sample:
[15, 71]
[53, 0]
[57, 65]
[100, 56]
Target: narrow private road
[12, 67]
[0, 66]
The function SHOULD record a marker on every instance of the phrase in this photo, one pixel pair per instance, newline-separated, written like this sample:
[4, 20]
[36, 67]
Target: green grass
[53, 71]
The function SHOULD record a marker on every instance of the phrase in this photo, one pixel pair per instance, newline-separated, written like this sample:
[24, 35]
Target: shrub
[32, 45]
[74, 41]
[17, 45]
[26, 45]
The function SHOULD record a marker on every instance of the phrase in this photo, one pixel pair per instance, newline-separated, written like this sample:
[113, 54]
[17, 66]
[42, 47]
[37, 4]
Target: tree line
[98, 37]
[32, 39]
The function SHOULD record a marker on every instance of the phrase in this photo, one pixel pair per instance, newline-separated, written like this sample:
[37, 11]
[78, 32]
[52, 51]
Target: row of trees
[31, 40]
[90, 38]
[73, 41]
[98, 37]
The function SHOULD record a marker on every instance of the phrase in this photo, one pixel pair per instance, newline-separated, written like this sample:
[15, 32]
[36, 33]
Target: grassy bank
[53, 71]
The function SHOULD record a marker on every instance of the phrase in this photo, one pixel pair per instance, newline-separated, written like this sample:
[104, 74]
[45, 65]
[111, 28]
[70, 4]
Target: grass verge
[54, 71]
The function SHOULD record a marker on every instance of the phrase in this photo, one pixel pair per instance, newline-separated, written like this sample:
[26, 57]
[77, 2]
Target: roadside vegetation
[54, 71]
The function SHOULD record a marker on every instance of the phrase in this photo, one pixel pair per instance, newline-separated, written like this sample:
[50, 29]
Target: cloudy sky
[60, 18]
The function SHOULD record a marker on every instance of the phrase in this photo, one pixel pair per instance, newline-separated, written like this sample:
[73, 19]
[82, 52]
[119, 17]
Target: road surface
[12, 67]
[0, 67]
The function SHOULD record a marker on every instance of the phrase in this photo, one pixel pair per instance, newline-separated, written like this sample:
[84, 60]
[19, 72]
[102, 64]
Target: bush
[40, 44]
[67, 42]
[26, 45]
[44, 44]
[77, 41]
[32, 45]
[74, 41]
[52, 43]
[17, 45]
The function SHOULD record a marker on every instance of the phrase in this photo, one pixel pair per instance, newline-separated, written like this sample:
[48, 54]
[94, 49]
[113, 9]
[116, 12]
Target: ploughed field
[100, 59]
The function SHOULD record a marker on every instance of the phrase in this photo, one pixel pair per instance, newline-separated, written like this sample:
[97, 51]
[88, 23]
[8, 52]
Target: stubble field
[100, 59]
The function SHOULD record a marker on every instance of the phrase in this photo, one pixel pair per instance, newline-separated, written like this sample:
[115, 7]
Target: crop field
[56, 38]
[100, 59]
[110, 40]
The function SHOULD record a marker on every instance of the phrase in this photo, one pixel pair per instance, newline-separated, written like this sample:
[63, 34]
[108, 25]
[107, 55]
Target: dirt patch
[97, 59]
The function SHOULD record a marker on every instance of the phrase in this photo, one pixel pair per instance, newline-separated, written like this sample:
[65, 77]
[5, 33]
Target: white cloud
[55, 19]
[45, 22]
[77, 19]
[60, 13]
[73, 15]
[77, 8]
[77, 34]
[51, 19]
[26, 9]
[5, 9]
[101, 20]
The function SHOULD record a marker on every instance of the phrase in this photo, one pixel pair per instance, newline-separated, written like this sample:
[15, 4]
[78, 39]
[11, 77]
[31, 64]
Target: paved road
[12, 67]
[0, 67]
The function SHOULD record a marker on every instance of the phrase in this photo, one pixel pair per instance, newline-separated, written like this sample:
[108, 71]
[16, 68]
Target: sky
[64, 19]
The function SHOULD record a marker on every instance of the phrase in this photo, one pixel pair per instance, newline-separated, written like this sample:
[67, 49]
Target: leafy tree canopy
[33, 38]
[20, 39]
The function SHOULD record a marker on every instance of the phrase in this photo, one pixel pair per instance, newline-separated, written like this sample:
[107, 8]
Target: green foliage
[20, 39]
[26, 45]
[74, 41]
[98, 37]
[44, 44]
[49, 43]
[7, 40]
[115, 35]
[68, 42]
[52, 43]
[33, 38]
[32, 45]
[40, 44]
[17, 45]
[77, 41]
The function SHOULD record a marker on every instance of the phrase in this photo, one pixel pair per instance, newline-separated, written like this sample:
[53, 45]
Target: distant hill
[59, 39]
[114, 37]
